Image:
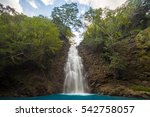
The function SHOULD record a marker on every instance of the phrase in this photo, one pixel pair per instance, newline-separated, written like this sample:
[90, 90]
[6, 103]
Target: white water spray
[75, 78]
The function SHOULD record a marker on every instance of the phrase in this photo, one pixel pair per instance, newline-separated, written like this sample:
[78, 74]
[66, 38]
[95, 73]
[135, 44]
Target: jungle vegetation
[121, 37]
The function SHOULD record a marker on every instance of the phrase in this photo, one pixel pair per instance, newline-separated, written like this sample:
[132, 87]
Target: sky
[44, 7]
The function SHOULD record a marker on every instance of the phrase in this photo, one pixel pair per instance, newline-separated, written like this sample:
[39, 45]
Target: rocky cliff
[102, 81]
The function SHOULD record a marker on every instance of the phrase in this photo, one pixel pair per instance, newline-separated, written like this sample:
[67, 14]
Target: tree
[67, 15]
[24, 39]
[93, 15]
[7, 10]
[140, 16]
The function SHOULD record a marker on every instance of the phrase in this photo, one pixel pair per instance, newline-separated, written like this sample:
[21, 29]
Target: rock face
[102, 81]
[27, 81]
[57, 74]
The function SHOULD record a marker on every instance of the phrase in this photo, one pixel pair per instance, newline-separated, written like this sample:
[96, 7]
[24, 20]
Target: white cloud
[80, 1]
[87, 2]
[48, 2]
[13, 3]
[33, 4]
[112, 4]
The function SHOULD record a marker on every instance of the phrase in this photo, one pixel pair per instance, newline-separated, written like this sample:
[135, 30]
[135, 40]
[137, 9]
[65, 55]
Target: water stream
[75, 79]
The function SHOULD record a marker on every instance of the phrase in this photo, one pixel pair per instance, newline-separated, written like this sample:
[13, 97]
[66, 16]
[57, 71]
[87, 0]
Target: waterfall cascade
[75, 79]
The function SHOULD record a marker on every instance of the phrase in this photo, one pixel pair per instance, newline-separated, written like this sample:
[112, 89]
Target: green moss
[140, 88]
[143, 39]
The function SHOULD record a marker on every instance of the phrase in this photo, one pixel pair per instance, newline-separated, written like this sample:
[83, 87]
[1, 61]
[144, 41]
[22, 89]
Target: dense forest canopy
[35, 39]
[27, 39]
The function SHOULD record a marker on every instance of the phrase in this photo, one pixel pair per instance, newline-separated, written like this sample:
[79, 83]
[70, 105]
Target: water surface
[70, 97]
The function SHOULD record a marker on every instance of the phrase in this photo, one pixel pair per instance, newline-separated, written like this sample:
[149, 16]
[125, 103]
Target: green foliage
[24, 39]
[143, 45]
[140, 17]
[117, 62]
[67, 15]
[93, 36]
[64, 30]
[143, 39]
[140, 88]
[66, 18]
[45, 39]
[7, 10]
[93, 15]
[109, 28]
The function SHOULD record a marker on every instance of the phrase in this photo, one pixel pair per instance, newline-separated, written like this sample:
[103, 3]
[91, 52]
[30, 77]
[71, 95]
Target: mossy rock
[143, 39]
[143, 45]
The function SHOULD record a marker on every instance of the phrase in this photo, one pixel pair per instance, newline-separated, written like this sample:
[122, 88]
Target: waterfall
[75, 79]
